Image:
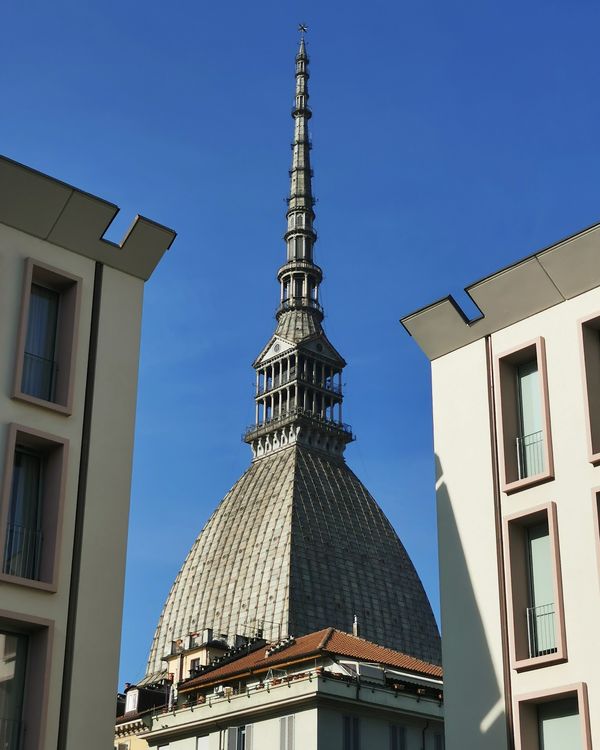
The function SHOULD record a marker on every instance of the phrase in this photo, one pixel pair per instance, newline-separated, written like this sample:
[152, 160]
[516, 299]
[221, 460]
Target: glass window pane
[22, 550]
[559, 725]
[541, 590]
[13, 655]
[40, 343]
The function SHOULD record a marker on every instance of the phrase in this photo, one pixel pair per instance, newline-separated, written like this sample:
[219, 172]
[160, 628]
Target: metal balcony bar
[541, 631]
[39, 376]
[298, 412]
[22, 552]
[294, 302]
[530, 454]
[303, 378]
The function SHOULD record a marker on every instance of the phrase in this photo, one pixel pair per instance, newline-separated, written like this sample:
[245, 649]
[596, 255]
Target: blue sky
[450, 139]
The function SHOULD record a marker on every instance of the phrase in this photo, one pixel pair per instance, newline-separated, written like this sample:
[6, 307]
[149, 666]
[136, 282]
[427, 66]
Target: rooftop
[329, 641]
[61, 214]
[544, 279]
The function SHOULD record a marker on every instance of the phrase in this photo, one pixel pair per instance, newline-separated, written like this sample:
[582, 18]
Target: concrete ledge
[544, 279]
[59, 213]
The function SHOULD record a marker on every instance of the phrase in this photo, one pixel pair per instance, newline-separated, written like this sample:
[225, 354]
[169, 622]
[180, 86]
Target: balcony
[530, 454]
[303, 377]
[39, 376]
[294, 303]
[298, 413]
[22, 553]
[541, 631]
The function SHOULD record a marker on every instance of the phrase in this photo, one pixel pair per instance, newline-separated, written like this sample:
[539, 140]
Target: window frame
[40, 633]
[589, 349]
[517, 585]
[526, 723]
[505, 365]
[68, 286]
[55, 450]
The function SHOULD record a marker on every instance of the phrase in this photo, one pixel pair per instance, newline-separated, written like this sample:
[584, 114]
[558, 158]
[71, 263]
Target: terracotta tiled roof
[328, 641]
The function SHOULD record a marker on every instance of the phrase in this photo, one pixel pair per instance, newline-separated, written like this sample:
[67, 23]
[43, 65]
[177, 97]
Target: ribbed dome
[299, 544]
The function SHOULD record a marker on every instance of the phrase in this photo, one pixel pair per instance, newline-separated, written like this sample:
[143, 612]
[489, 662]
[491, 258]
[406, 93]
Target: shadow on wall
[473, 692]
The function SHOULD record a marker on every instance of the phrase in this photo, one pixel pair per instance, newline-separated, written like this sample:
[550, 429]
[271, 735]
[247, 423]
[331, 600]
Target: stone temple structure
[298, 543]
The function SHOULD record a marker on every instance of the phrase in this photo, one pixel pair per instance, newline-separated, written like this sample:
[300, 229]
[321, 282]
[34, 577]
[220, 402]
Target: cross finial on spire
[302, 28]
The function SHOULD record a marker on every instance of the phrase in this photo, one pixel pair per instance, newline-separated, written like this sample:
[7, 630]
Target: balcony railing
[39, 377]
[541, 631]
[530, 454]
[294, 302]
[291, 414]
[22, 553]
[11, 734]
[303, 377]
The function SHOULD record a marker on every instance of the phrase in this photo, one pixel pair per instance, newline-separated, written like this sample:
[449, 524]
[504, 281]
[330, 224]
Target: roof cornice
[540, 281]
[51, 210]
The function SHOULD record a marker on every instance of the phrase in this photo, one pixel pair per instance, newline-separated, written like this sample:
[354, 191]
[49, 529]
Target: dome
[299, 544]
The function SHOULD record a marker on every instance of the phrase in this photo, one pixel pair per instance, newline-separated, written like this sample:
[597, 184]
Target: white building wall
[471, 637]
[469, 582]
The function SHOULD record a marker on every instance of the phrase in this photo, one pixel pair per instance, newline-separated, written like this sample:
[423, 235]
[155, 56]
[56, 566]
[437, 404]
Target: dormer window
[131, 700]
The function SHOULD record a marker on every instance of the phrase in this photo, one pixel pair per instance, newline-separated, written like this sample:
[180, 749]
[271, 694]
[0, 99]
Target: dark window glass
[23, 543]
[39, 365]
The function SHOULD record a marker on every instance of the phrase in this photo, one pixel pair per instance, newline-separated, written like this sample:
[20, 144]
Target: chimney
[355, 630]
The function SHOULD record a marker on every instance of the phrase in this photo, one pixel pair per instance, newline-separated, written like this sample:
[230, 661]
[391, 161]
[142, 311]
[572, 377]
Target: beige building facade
[70, 314]
[516, 406]
[327, 690]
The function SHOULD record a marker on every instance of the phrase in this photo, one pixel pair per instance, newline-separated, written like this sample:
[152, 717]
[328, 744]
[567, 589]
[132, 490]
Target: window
[554, 720]
[23, 542]
[590, 349]
[31, 506]
[524, 421]
[13, 657]
[194, 665]
[534, 588]
[47, 337]
[286, 733]
[239, 738]
[24, 681]
[351, 733]
[131, 700]
[397, 737]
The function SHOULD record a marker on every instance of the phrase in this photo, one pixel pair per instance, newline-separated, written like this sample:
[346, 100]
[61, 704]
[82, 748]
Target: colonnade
[297, 382]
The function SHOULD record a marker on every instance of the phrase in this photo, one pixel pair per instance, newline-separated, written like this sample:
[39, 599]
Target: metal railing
[541, 631]
[22, 553]
[530, 454]
[11, 734]
[39, 377]
[292, 414]
[303, 377]
[294, 302]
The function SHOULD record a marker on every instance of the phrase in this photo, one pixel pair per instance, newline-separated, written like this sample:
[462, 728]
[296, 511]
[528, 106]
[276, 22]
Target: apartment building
[70, 314]
[516, 408]
[326, 690]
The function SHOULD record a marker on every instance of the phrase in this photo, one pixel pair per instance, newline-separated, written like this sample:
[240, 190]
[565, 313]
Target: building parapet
[542, 280]
[51, 210]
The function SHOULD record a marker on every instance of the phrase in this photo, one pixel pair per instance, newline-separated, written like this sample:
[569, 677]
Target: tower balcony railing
[303, 377]
[290, 415]
[293, 303]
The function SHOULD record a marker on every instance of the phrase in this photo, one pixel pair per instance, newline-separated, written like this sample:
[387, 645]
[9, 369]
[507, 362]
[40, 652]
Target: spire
[299, 373]
[297, 291]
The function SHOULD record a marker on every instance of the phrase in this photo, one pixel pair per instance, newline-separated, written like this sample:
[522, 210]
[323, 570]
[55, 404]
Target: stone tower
[298, 543]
